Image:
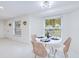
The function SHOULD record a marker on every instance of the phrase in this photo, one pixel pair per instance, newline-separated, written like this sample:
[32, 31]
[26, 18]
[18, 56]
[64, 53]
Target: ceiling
[18, 8]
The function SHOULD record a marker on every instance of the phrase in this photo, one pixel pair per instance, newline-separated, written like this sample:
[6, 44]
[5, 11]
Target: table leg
[45, 45]
[55, 52]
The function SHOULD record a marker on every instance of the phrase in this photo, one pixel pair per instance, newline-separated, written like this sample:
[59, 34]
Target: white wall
[1, 29]
[9, 30]
[71, 28]
[65, 21]
[36, 26]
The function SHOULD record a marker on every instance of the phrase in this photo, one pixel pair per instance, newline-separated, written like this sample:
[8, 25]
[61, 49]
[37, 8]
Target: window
[53, 26]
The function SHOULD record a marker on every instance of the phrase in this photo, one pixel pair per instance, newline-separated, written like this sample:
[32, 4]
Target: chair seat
[61, 47]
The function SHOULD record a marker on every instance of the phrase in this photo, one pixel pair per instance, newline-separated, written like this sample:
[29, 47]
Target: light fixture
[1, 7]
[9, 24]
[46, 4]
[24, 22]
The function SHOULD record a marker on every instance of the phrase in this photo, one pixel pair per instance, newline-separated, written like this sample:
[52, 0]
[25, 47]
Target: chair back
[67, 44]
[33, 37]
[38, 48]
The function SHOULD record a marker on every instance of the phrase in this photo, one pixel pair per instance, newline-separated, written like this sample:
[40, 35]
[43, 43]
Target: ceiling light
[1, 7]
[46, 4]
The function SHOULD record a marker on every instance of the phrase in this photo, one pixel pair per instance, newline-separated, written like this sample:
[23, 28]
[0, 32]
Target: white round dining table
[54, 44]
[51, 41]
